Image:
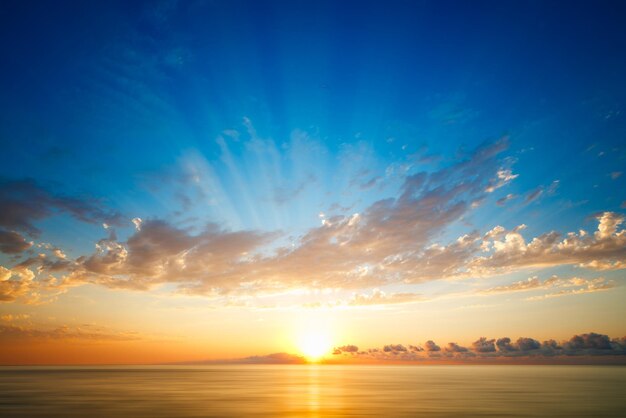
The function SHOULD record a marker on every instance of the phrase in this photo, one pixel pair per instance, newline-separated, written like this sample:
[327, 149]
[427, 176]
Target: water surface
[314, 391]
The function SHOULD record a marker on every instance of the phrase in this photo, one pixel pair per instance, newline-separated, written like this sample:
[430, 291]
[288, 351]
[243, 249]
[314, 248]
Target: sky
[371, 181]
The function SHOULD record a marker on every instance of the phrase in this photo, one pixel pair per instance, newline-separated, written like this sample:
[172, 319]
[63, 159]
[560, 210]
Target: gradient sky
[204, 180]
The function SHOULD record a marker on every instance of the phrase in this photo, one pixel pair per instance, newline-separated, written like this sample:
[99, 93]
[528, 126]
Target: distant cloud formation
[524, 348]
[275, 358]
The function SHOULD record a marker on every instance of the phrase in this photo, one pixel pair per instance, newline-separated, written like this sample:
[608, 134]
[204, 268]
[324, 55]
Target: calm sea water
[314, 391]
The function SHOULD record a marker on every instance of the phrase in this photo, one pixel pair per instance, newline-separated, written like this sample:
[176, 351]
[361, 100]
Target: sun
[314, 345]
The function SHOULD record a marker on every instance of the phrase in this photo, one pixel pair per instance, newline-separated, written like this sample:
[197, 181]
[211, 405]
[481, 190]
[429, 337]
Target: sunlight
[314, 344]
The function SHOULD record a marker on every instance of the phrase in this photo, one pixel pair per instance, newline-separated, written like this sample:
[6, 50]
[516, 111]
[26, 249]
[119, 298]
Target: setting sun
[314, 344]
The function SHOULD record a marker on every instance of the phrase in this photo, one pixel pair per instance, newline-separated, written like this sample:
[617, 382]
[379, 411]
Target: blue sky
[270, 118]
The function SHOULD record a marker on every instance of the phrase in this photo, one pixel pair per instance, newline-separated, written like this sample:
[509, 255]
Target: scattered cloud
[503, 177]
[503, 200]
[541, 191]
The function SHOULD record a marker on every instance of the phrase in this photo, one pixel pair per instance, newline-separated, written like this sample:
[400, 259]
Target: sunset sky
[193, 180]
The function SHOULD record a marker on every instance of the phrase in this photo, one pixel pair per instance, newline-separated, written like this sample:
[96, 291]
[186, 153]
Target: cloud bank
[523, 349]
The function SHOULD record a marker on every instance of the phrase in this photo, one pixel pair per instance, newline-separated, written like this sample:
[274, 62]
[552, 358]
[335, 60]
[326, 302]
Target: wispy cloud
[559, 286]
[84, 332]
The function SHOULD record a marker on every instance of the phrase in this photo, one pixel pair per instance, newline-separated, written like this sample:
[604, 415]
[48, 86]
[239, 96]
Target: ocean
[313, 391]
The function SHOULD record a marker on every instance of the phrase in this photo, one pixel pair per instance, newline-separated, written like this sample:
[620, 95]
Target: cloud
[16, 283]
[540, 191]
[378, 297]
[14, 317]
[275, 358]
[483, 345]
[534, 195]
[527, 344]
[430, 346]
[603, 265]
[12, 242]
[370, 183]
[523, 349]
[569, 286]
[395, 349]
[392, 241]
[85, 332]
[504, 344]
[345, 349]
[502, 201]
[282, 195]
[509, 250]
[503, 177]
[137, 222]
[347, 251]
[455, 348]
[24, 202]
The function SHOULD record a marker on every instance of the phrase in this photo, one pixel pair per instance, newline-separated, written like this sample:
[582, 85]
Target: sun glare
[314, 345]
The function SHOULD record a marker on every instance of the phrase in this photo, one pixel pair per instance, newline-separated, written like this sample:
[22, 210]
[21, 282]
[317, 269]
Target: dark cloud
[455, 348]
[394, 348]
[551, 345]
[589, 341]
[430, 346]
[346, 349]
[12, 242]
[483, 345]
[24, 202]
[504, 344]
[527, 344]
[523, 349]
